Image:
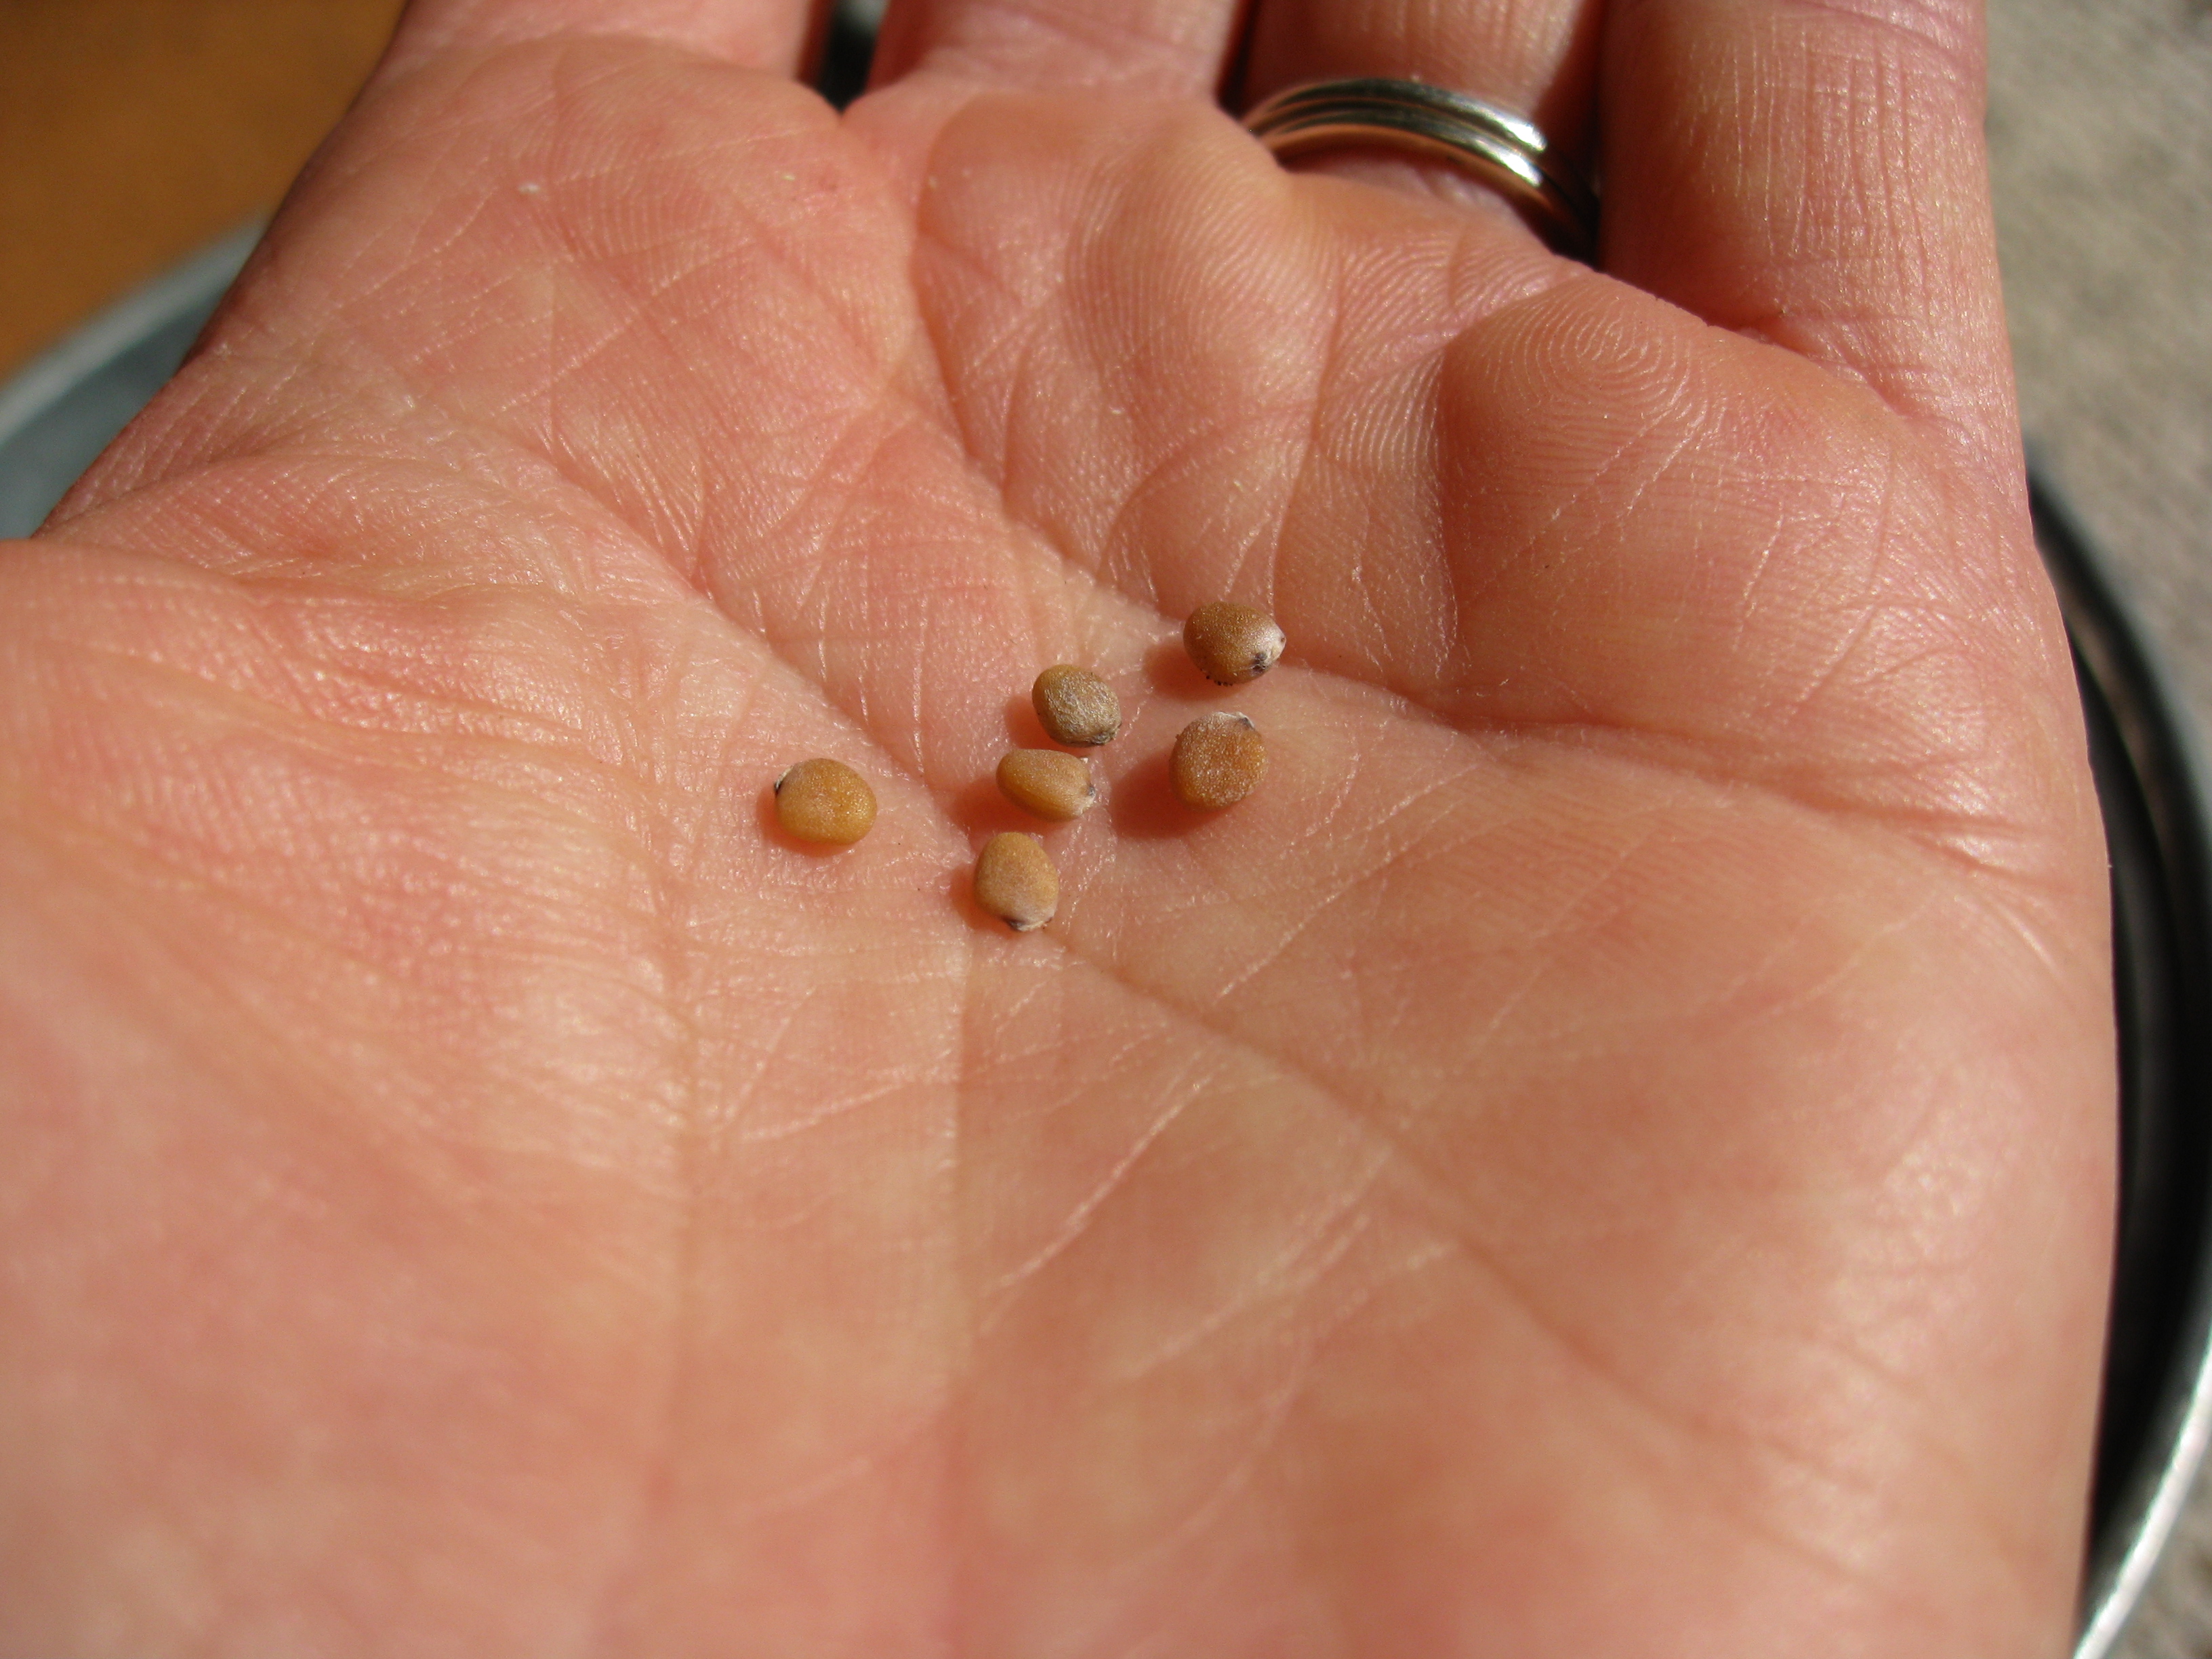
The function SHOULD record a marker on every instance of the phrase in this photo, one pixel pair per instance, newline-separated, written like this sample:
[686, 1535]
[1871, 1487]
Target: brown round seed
[1232, 643]
[824, 800]
[1048, 783]
[1016, 881]
[1077, 708]
[1219, 760]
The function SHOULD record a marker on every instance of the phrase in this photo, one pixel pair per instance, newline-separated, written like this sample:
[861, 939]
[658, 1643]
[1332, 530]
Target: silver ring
[1501, 149]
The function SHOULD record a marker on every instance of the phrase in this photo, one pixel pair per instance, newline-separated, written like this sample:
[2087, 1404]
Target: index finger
[1813, 172]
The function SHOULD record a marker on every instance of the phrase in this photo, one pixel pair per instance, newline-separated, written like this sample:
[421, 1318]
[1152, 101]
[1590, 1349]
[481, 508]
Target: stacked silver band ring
[1503, 149]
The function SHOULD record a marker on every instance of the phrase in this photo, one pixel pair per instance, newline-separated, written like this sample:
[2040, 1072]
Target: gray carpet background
[2101, 134]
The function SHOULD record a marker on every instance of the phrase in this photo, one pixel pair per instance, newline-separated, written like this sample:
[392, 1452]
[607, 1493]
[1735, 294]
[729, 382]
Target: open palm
[1606, 1153]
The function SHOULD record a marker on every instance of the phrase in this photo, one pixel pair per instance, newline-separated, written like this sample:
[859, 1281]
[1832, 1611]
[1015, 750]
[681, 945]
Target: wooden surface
[132, 131]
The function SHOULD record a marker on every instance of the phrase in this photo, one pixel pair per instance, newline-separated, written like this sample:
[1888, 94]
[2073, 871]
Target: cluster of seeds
[1219, 760]
[1014, 878]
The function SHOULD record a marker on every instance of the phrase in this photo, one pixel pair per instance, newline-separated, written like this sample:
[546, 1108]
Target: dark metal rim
[2156, 1408]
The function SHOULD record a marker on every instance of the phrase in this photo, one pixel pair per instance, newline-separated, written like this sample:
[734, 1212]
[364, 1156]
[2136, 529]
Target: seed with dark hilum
[1016, 881]
[1219, 760]
[1076, 707]
[1232, 643]
[826, 801]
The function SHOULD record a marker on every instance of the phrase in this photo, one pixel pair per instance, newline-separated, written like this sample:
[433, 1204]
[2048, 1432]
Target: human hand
[1606, 1153]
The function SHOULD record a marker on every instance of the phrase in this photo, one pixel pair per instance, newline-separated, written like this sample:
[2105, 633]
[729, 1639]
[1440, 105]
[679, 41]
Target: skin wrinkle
[1833, 95]
[1895, 665]
[86, 832]
[527, 731]
[1945, 30]
[844, 1106]
[1327, 370]
[1330, 383]
[1435, 1188]
[1004, 1289]
[1185, 457]
[639, 312]
[1114, 39]
[1425, 423]
[566, 583]
[1393, 863]
[1941, 640]
[994, 475]
[1625, 452]
[1884, 497]
[677, 534]
[1882, 536]
[1675, 1427]
[1502, 1012]
[1774, 1011]
[1270, 1412]
[1014, 343]
[424, 1133]
[366, 292]
[796, 1497]
[653, 1491]
[738, 1094]
[1379, 877]
[1694, 753]
[1927, 1442]
[297, 728]
[1317, 1245]
[847, 1472]
[1191, 1015]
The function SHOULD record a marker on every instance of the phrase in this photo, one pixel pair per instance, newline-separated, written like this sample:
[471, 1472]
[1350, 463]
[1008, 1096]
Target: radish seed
[1048, 783]
[1076, 707]
[824, 800]
[1016, 881]
[1219, 760]
[1232, 643]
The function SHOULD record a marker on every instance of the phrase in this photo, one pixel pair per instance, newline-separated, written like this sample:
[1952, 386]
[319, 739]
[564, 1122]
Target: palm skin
[1606, 1153]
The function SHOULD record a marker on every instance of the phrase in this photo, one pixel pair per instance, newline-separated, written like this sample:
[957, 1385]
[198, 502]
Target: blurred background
[134, 133]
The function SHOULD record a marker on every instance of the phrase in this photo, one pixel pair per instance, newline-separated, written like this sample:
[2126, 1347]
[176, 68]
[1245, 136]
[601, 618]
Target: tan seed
[1232, 643]
[824, 800]
[1048, 783]
[1016, 881]
[1077, 708]
[1219, 760]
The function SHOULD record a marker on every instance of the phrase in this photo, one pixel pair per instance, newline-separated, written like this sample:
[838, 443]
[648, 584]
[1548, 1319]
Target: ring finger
[1535, 58]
